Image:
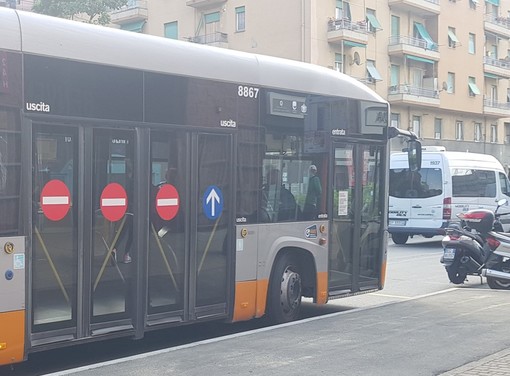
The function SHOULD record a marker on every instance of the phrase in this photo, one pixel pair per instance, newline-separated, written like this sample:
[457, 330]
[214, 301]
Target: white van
[424, 202]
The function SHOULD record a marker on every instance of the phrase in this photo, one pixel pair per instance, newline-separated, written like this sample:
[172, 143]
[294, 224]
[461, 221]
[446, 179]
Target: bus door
[54, 257]
[189, 252]
[356, 233]
[113, 254]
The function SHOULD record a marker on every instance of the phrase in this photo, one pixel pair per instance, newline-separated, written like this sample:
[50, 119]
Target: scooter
[478, 246]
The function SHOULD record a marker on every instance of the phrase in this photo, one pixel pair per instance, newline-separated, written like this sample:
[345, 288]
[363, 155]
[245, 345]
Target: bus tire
[399, 238]
[285, 290]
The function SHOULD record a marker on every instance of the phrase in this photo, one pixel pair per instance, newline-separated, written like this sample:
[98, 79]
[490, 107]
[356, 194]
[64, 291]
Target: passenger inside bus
[313, 195]
[279, 202]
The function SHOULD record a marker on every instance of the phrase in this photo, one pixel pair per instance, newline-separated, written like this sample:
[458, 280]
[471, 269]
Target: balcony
[497, 25]
[497, 67]
[134, 11]
[402, 45]
[345, 30]
[215, 39]
[423, 8]
[495, 108]
[198, 4]
[413, 95]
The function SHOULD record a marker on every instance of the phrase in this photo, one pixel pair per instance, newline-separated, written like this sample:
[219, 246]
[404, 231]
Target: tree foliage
[98, 11]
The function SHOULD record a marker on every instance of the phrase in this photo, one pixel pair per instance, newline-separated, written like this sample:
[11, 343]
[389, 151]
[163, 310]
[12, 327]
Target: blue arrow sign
[212, 202]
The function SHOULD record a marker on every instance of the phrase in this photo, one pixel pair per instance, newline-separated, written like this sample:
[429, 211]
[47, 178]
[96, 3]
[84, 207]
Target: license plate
[449, 254]
[397, 222]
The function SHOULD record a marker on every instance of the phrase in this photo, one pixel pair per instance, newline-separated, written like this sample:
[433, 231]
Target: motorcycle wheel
[498, 284]
[455, 276]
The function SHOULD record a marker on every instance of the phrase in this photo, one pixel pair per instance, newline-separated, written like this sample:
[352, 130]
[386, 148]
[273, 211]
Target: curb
[495, 364]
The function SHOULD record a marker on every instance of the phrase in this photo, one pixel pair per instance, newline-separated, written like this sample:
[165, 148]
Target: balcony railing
[413, 90]
[346, 24]
[501, 21]
[210, 38]
[488, 102]
[500, 63]
[134, 10]
[416, 42]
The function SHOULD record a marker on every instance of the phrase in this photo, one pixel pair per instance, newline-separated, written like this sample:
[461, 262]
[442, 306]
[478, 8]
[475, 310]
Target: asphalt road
[413, 270]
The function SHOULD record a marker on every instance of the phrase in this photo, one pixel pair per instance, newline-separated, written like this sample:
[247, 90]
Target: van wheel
[399, 238]
[498, 284]
[285, 291]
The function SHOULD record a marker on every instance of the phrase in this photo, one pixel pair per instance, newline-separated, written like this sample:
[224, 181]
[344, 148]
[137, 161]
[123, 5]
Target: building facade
[444, 66]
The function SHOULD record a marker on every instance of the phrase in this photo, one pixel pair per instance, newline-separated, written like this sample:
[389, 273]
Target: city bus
[147, 183]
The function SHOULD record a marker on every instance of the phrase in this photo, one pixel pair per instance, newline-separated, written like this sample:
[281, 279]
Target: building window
[394, 78]
[438, 125]
[171, 30]
[417, 125]
[452, 38]
[478, 132]
[459, 130]
[472, 45]
[372, 72]
[450, 82]
[343, 10]
[473, 89]
[494, 133]
[339, 60]
[240, 19]
[395, 26]
[373, 22]
[395, 120]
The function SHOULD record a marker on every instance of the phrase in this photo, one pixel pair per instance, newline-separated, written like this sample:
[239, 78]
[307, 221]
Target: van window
[468, 182]
[504, 183]
[427, 182]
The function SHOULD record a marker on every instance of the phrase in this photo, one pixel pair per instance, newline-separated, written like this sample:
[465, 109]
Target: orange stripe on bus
[383, 273]
[262, 286]
[245, 298]
[12, 336]
[322, 288]
[250, 300]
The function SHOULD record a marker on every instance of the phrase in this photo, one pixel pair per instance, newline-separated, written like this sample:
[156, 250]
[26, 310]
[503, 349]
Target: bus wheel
[399, 238]
[284, 301]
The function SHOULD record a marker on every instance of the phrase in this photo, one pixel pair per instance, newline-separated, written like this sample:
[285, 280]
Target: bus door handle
[416, 206]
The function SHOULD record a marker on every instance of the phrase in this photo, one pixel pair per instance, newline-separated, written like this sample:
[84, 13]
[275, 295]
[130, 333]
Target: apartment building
[444, 65]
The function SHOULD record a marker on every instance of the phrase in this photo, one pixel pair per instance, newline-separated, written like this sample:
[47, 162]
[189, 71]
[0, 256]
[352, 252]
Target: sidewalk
[497, 364]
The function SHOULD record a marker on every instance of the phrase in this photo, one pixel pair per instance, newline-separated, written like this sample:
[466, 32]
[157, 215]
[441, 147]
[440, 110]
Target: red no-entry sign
[167, 202]
[55, 200]
[114, 202]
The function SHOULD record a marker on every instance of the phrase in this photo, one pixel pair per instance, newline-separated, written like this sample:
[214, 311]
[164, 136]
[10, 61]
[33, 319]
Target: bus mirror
[414, 154]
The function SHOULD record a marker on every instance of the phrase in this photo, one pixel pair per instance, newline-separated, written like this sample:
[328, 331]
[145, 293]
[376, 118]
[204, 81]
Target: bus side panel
[12, 299]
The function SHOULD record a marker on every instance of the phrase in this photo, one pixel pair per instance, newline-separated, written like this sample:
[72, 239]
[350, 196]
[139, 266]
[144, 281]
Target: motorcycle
[478, 246]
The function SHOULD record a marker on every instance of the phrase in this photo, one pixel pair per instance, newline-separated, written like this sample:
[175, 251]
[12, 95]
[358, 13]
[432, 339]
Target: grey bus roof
[51, 36]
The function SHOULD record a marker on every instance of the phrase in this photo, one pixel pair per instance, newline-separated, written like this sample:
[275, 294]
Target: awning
[474, 89]
[493, 2]
[348, 43]
[474, 1]
[133, 26]
[493, 76]
[420, 59]
[453, 37]
[425, 35]
[372, 71]
[374, 21]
